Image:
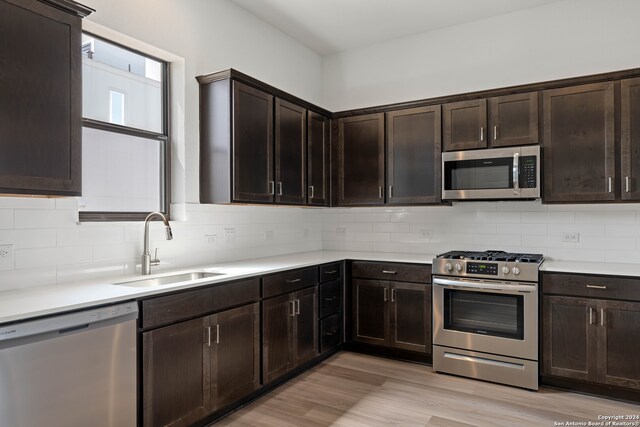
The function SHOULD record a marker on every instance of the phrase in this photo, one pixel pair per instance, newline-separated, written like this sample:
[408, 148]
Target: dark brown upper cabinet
[318, 143]
[413, 156]
[465, 125]
[513, 119]
[41, 97]
[290, 153]
[579, 143]
[630, 139]
[361, 160]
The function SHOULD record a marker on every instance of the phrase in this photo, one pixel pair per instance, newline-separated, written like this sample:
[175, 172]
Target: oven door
[501, 173]
[487, 316]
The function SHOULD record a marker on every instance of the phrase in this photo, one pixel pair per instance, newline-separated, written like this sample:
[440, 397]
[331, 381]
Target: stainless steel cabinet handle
[280, 188]
[590, 316]
[380, 192]
[602, 314]
[390, 191]
[610, 184]
[386, 294]
[297, 306]
[495, 133]
[331, 272]
[393, 295]
[293, 308]
[217, 333]
[293, 281]
[481, 133]
[388, 272]
[627, 185]
[272, 187]
[209, 336]
[597, 286]
[311, 191]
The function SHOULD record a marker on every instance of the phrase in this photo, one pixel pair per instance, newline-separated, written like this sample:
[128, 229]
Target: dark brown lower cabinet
[192, 368]
[592, 340]
[392, 314]
[289, 332]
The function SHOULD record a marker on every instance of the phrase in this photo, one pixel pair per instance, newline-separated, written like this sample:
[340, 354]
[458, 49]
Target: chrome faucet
[147, 262]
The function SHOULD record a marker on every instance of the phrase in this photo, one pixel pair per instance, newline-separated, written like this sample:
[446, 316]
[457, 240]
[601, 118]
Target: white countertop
[27, 303]
[46, 300]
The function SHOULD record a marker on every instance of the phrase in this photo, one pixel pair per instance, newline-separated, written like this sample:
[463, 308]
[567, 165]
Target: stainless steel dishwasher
[76, 369]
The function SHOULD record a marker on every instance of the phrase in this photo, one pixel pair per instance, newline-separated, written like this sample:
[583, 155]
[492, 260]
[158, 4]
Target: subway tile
[67, 203]
[49, 257]
[90, 235]
[46, 218]
[27, 203]
[29, 238]
[6, 218]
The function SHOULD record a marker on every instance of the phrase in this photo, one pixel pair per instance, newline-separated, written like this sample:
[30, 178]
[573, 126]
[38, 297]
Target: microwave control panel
[487, 268]
[528, 172]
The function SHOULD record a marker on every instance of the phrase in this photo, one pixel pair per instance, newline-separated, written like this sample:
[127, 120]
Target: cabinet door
[579, 143]
[291, 159]
[413, 156]
[465, 125]
[318, 131]
[514, 119]
[305, 343]
[618, 343]
[410, 325]
[277, 334]
[569, 328]
[235, 354]
[630, 139]
[175, 374]
[41, 99]
[252, 144]
[361, 160]
[370, 311]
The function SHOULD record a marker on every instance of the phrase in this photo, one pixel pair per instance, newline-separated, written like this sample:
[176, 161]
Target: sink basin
[168, 280]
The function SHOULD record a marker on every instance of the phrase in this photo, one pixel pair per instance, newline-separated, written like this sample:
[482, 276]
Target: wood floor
[351, 389]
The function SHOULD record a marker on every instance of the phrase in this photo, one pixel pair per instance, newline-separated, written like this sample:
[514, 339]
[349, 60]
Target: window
[125, 136]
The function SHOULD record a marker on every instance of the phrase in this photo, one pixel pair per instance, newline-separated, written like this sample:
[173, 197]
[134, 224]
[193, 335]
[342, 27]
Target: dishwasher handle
[55, 326]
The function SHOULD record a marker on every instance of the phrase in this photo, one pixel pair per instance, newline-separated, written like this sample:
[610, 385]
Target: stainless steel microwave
[499, 173]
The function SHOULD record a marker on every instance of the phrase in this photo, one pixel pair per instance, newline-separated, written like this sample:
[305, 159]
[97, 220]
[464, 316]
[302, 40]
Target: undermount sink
[169, 280]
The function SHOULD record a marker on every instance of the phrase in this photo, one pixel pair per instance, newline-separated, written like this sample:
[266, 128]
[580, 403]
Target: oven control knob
[448, 266]
[515, 270]
[458, 267]
[505, 270]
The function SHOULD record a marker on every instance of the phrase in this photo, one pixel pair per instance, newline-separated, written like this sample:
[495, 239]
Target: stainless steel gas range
[485, 316]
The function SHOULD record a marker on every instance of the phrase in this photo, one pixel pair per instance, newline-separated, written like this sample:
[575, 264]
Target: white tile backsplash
[51, 246]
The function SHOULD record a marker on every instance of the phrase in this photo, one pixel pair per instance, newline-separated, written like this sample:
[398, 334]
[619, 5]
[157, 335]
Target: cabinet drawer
[580, 285]
[388, 271]
[289, 281]
[172, 308]
[330, 272]
[330, 332]
[330, 298]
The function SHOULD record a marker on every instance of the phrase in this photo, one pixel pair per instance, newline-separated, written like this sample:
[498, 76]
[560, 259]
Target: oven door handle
[483, 286]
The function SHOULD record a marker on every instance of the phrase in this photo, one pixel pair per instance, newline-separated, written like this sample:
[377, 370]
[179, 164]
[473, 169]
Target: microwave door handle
[516, 173]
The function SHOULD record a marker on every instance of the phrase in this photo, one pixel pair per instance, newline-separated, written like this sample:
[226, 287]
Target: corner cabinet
[253, 144]
[579, 143]
[588, 325]
[41, 101]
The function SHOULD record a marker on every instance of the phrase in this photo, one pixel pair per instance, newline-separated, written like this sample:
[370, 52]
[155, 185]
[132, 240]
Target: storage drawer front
[579, 285]
[290, 281]
[330, 272]
[330, 298]
[192, 303]
[330, 332]
[388, 271]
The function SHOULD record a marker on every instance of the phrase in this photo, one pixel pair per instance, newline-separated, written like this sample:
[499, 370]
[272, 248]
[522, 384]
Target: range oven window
[479, 174]
[498, 315]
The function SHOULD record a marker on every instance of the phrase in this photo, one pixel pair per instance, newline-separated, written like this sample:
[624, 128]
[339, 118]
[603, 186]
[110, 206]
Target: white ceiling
[329, 26]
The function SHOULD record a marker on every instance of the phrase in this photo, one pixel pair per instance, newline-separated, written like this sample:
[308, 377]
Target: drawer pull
[331, 332]
[293, 281]
[597, 286]
[331, 272]
[388, 272]
[602, 316]
[331, 298]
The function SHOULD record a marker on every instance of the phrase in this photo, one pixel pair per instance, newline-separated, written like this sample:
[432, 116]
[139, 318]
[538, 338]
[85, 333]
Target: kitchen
[54, 254]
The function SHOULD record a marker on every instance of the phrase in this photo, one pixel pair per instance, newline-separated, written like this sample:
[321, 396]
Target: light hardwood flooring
[351, 389]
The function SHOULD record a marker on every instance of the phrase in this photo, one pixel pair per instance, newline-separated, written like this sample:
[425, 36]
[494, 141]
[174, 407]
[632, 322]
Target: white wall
[558, 40]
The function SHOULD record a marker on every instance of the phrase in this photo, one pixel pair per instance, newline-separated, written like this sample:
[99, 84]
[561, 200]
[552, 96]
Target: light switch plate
[6, 257]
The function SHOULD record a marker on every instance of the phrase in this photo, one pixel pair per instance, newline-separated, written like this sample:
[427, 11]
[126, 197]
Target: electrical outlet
[230, 234]
[6, 257]
[426, 234]
[211, 238]
[571, 237]
[268, 235]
